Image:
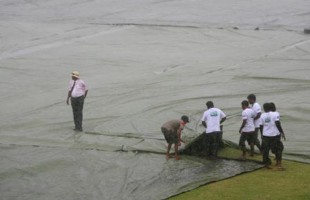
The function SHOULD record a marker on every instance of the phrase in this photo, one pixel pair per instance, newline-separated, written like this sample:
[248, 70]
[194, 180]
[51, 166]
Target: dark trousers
[256, 140]
[77, 104]
[249, 137]
[212, 141]
[221, 142]
[275, 145]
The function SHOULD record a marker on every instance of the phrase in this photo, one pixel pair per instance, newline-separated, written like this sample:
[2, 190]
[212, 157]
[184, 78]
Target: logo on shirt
[267, 120]
[213, 114]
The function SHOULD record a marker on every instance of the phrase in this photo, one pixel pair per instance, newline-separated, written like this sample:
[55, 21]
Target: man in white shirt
[211, 120]
[247, 129]
[277, 114]
[77, 92]
[257, 110]
[271, 131]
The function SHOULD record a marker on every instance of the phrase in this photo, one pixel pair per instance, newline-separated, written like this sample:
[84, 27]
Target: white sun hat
[75, 74]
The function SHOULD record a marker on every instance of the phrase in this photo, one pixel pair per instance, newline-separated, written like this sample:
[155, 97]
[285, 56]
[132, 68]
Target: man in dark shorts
[247, 129]
[172, 132]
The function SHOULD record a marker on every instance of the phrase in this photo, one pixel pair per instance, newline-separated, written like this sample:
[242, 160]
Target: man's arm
[204, 124]
[261, 128]
[68, 97]
[242, 126]
[222, 120]
[85, 93]
[179, 135]
[278, 124]
[258, 116]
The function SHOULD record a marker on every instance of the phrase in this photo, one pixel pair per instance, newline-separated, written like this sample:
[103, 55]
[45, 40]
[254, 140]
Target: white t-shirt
[277, 115]
[79, 88]
[257, 109]
[212, 117]
[248, 115]
[268, 120]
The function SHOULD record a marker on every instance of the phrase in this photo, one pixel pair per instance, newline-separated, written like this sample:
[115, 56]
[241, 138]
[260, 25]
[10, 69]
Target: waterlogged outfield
[292, 183]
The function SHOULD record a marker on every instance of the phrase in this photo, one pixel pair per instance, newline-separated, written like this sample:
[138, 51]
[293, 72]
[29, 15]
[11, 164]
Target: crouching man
[172, 132]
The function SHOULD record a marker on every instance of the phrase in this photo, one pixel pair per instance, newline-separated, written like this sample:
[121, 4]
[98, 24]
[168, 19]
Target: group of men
[252, 121]
[270, 128]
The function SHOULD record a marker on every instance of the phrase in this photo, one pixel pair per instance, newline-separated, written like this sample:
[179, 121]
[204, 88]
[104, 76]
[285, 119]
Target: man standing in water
[77, 92]
[257, 110]
[172, 132]
[247, 128]
[211, 120]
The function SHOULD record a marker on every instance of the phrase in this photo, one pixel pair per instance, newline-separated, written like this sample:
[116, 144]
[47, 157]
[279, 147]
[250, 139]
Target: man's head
[185, 119]
[75, 75]
[244, 104]
[272, 107]
[251, 98]
[209, 104]
[267, 107]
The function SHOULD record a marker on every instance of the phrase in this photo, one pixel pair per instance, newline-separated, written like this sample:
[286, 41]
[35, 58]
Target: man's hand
[67, 101]
[283, 136]
[180, 142]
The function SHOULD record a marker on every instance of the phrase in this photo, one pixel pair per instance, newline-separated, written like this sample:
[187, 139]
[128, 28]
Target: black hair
[267, 107]
[272, 107]
[185, 118]
[210, 104]
[245, 103]
[252, 97]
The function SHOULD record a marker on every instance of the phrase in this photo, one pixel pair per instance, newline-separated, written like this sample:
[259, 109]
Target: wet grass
[291, 183]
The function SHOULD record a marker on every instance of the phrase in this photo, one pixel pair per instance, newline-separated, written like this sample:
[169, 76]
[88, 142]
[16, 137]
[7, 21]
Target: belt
[77, 97]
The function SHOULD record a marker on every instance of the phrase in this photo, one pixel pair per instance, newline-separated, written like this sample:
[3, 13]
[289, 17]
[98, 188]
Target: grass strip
[291, 183]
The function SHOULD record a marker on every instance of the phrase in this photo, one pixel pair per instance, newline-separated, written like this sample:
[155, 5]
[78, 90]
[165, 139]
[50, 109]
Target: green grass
[293, 183]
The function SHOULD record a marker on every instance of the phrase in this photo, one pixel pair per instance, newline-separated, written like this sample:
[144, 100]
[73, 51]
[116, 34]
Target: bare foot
[242, 157]
[167, 157]
[177, 158]
[280, 167]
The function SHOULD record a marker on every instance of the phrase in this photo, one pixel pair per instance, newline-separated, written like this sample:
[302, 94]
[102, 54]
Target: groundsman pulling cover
[145, 62]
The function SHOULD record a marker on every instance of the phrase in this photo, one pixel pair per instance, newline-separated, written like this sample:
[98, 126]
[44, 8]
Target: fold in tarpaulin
[75, 173]
[91, 165]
